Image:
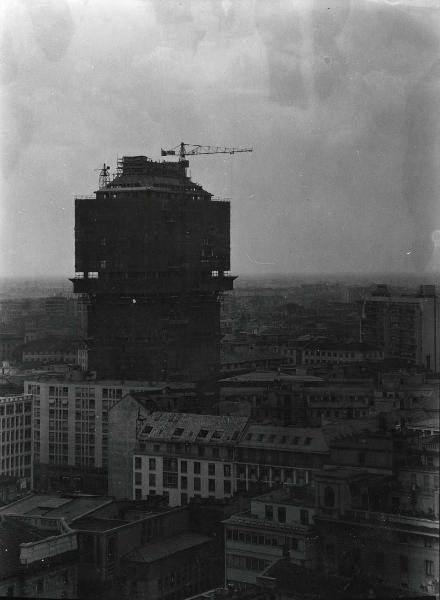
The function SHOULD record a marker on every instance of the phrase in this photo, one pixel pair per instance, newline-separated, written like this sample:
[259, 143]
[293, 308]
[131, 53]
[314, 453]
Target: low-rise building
[39, 558]
[279, 524]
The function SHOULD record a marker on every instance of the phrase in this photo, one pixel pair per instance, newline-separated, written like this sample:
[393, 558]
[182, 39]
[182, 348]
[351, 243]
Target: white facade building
[16, 439]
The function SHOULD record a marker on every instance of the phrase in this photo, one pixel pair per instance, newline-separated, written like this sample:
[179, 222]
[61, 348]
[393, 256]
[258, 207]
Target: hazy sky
[339, 99]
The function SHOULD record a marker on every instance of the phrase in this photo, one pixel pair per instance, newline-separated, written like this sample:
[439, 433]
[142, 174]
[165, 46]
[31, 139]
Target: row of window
[14, 422]
[171, 481]
[171, 465]
[19, 408]
[246, 563]
[245, 537]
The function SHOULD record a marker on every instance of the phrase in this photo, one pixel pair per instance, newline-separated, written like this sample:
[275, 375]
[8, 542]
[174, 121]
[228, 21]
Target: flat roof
[167, 547]
[54, 506]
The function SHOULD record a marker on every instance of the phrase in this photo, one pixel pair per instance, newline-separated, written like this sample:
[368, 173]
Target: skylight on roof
[217, 434]
[202, 433]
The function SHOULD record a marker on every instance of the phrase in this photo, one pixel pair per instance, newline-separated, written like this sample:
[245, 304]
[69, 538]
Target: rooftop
[53, 506]
[187, 427]
[12, 534]
[172, 545]
[269, 377]
[287, 438]
[290, 495]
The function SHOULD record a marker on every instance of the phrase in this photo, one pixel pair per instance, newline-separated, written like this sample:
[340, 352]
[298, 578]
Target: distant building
[405, 326]
[9, 343]
[16, 450]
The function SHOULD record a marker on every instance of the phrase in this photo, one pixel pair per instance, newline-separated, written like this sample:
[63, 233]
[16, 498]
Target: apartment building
[16, 445]
[365, 534]
[182, 455]
[404, 326]
[279, 524]
[71, 430]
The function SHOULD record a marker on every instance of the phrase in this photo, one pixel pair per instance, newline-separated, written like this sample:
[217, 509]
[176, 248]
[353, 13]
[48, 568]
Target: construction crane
[183, 150]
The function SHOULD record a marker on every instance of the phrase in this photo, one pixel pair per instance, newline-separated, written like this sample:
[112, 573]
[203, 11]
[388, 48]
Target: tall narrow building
[152, 251]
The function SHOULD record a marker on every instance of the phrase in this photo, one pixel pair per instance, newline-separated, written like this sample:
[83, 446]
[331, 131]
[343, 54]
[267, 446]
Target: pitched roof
[187, 427]
[299, 439]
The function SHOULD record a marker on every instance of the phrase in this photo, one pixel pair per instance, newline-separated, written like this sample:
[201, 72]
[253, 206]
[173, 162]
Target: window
[137, 462]
[281, 514]
[170, 480]
[304, 517]
[183, 466]
[211, 485]
[211, 469]
[202, 433]
[429, 564]
[329, 496]
[197, 484]
[227, 487]
[227, 470]
[152, 464]
[403, 560]
[138, 478]
[184, 483]
[178, 432]
[361, 458]
[152, 480]
[196, 467]
[268, 512]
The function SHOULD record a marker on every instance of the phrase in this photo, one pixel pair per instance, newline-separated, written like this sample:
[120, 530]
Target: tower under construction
[152, 252]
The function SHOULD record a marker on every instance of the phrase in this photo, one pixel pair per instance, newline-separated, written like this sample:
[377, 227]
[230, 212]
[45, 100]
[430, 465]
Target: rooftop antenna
[104, 176]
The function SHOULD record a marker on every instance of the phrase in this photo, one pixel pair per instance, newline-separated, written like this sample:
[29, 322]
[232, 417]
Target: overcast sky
[339, 99]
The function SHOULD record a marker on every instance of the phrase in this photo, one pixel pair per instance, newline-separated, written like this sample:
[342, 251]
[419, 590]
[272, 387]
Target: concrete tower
[151, 252]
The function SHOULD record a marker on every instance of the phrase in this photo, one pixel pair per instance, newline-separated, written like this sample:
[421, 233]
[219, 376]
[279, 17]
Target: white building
[405, 326]
[182, 455]
[16, 441]
[71, 421]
